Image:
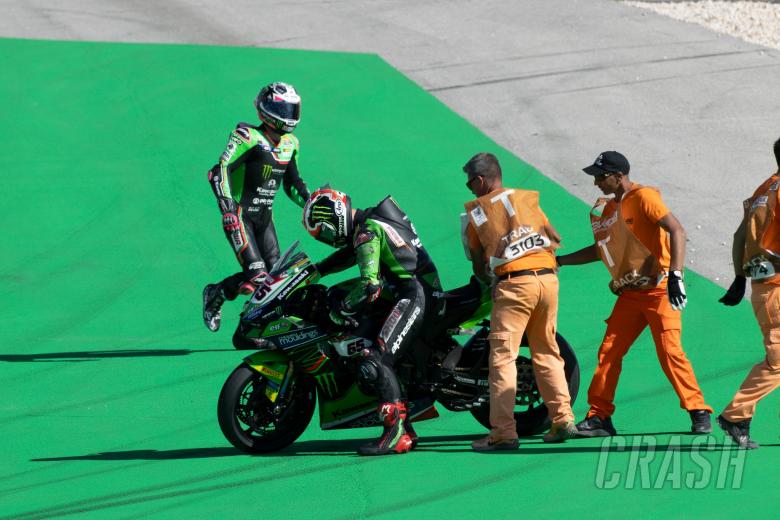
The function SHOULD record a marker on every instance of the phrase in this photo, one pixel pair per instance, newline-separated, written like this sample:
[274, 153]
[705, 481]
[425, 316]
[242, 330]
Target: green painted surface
[110, 380]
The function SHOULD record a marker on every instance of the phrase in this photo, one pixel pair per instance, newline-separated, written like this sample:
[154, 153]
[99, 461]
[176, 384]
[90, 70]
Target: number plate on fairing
[350, 346]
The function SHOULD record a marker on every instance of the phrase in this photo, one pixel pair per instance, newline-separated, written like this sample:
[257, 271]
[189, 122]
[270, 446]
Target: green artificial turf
[110, 380]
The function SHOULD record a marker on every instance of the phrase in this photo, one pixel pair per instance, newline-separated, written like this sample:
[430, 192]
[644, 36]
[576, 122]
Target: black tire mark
[109, 501]
[594, 68]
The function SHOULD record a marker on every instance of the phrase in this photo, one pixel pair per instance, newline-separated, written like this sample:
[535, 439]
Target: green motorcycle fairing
[293, 345]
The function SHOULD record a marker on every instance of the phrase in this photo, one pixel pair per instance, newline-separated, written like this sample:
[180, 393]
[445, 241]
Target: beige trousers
[525, 304]
[765, 376]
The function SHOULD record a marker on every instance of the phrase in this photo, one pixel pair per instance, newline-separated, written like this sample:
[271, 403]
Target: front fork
[277, 370]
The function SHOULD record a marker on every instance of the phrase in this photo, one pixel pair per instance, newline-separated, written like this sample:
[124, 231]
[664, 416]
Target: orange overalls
[509, 229]
[635, 249]
[761, 262]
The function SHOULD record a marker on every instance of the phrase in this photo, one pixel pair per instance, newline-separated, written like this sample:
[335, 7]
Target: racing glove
[341, 317]
[340, 313]
[675, 289]
[372, 292]
[230, 222]
[735, 293]
[226, 205]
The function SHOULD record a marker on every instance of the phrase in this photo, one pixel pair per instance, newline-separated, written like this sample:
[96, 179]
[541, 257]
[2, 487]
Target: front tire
[532, 418]
[252, 423]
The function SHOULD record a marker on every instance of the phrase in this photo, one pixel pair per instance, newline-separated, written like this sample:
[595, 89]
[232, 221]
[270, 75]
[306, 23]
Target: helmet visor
[328, 235]
[283, 109]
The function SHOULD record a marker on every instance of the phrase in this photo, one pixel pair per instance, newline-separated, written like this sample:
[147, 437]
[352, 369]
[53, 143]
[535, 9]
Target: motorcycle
[302, 357]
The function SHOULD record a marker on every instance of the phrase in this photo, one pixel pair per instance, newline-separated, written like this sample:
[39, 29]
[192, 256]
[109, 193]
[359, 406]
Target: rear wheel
[530, 411]
[252, 423]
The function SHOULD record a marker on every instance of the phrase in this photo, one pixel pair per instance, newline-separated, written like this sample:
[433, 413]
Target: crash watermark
[645, 462]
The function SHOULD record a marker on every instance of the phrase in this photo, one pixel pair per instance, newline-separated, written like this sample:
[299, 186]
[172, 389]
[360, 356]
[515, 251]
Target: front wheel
[530, 412]
[252, 423]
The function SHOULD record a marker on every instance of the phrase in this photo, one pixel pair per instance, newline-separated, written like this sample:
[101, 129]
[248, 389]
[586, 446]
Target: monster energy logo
[327, 383]
[320, 213]
[267, 169]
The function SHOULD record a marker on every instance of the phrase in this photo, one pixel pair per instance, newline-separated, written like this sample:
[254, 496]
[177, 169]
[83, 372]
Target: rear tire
[252, 423]
[534, 419]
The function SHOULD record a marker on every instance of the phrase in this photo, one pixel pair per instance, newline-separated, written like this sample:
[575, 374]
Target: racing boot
[394, 438]
[213, 298]
[408, 425]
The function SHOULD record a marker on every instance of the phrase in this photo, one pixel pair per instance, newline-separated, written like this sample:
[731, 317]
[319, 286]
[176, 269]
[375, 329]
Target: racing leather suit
[390, 257]
[245, 182]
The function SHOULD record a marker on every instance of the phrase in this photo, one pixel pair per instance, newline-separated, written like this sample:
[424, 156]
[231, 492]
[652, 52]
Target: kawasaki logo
[293, 284]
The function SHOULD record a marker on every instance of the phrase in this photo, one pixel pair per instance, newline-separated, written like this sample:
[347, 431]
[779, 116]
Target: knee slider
[368, 375]
[256, 268]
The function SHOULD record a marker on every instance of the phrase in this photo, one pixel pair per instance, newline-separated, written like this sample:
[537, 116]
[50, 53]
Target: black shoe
[488, 444]
[212, 306]
[739, 432]
[561, 432]
[700, 421]
[595, 426]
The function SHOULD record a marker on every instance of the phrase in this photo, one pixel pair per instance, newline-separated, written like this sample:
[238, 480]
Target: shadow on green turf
[76, 357]
[570, 447]
[439, 444]
[194, 453]
[314, 447]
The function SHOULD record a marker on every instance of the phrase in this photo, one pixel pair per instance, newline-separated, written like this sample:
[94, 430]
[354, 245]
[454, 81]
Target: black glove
[339, 313]
[340, 317]
[735, 292]
[372, 292]
[676, 290]
[227, 205]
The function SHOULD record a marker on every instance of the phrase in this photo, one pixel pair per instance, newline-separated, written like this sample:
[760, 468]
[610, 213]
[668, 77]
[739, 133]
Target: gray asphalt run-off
[554, 81]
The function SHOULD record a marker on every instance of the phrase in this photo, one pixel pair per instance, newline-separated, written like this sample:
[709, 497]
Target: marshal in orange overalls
[635, 249]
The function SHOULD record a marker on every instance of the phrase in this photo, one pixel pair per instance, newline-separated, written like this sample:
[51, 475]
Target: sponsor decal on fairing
[293, 339]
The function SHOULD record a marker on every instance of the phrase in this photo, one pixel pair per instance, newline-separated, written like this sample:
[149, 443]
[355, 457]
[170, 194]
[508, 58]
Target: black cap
[608, 162]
